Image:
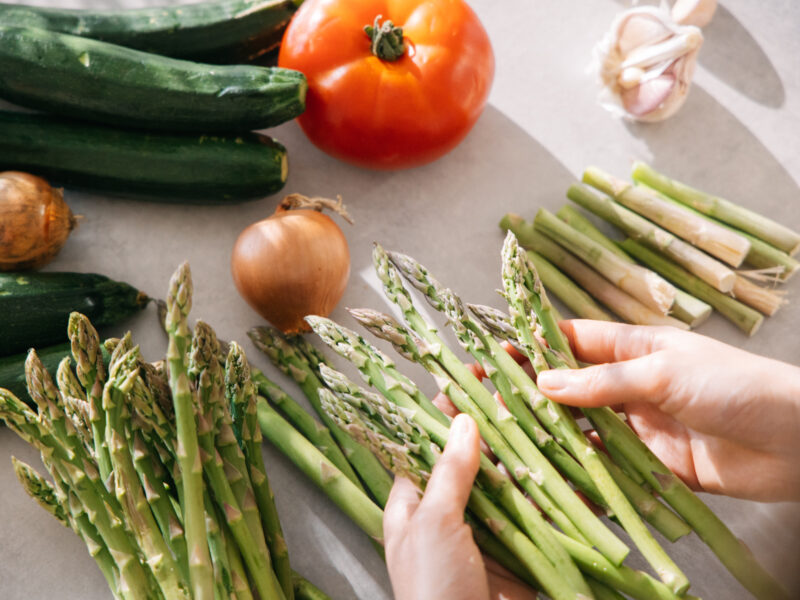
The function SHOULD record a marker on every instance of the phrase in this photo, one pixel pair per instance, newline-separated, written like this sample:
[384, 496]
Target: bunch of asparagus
[681, 258]
[158, 467]
[527, 515]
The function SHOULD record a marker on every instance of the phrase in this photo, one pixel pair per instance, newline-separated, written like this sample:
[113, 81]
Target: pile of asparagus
[527, 515]
[158, 467]
[681, 258]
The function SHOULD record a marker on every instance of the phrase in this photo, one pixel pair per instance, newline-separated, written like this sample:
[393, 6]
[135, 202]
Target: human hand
[724, 420]
[430, 552]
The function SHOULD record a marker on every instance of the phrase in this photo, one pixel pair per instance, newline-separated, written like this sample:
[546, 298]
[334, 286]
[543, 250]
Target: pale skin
[724, 420]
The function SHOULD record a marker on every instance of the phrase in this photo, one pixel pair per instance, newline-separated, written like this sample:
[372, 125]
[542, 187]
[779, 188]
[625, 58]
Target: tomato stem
[387, 39]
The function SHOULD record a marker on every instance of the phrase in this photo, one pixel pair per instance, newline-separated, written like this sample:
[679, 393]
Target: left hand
[430, 551]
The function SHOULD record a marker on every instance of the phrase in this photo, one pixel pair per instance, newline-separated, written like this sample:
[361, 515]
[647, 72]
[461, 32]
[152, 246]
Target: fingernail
[553, 380]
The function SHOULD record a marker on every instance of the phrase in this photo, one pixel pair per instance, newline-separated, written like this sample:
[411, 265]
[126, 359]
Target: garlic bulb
[694, 12]
[646, 63]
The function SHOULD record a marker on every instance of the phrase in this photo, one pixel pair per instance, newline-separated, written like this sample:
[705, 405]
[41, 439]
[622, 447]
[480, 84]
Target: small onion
[294, 263]
[35, 222]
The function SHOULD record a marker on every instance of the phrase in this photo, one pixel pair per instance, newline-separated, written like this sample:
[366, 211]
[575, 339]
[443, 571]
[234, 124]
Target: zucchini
[222, 31]
[98, 81]
[36, 306]
[171, 167]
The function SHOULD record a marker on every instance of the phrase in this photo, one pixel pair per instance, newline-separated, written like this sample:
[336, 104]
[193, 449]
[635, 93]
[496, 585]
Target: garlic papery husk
[646, 63]
[694, 12]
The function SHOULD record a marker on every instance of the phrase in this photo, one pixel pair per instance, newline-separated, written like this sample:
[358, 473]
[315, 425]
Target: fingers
[645, 379]
[451, 481]
[603, 342]
[400, 507]
[443, 403]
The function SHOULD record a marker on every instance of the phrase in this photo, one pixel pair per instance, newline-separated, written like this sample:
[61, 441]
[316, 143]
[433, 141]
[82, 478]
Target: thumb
[451, 481]
[644, 379]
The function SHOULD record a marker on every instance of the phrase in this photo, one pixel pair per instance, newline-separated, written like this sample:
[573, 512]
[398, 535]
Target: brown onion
[294, 263]
[34, 221]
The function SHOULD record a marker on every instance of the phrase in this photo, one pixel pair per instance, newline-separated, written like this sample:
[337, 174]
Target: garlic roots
[646, 63]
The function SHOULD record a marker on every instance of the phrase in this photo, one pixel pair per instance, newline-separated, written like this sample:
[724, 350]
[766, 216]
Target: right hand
[724, 420]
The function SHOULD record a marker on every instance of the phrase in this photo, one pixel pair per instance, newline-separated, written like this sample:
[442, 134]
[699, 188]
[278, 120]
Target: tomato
[382, 113]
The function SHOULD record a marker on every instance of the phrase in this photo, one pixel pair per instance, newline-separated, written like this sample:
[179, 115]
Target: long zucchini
[167, 167]
[220, 31]
[97, 81]
[35, 307]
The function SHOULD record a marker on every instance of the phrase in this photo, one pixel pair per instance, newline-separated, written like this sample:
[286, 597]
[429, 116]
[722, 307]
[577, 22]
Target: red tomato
[381, 113]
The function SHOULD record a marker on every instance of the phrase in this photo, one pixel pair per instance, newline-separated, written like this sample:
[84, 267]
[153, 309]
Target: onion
[34, 221]
[294, 263]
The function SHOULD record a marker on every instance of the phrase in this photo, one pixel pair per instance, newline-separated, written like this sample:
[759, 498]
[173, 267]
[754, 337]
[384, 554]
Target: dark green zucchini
[97, 81]
[35, 307]
[168, 167]
[221, 31]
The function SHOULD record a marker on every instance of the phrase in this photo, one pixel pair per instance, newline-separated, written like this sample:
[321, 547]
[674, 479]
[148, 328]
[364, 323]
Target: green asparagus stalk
[530, 308]
[647, 287]
[292, 363]
[91, 372]
[131, 496]
[228, 481]
[349, 497]
[717, 241]
[305, 590]
[687, 308]
[251, 441]
[744, 317]
[762, 255]
[753, 223]
[178, 306]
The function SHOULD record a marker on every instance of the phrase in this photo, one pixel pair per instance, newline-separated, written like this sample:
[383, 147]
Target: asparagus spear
[687, 308]
[762, 299]
[644, 285]
[719, 242]
[178, 305]
[227, 478]
[530, 308]
[761, 227]
[708, 269]
[744, 317]
[305, 590]
[349, 497]
[291, 362]
[251, 439]
[91, 372]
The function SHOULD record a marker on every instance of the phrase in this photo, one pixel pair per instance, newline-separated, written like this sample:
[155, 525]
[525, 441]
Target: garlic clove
[638, 30]
[694, 12]
[646, 63]
[646, 97]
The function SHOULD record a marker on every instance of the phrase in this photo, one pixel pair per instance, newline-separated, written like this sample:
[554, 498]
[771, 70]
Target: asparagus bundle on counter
[527, 514]
[709, 249]
[158, 467]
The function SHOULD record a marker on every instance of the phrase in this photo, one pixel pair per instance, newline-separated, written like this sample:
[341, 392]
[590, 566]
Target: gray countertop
[737, 135]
